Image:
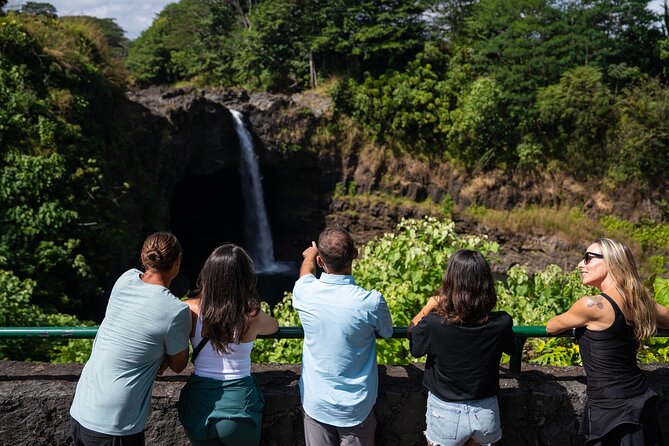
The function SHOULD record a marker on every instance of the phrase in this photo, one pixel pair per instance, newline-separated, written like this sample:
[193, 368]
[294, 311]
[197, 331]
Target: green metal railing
[521, 334]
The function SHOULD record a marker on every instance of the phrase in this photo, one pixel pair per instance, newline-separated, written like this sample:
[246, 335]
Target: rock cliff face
[304, 165]
[195, 150]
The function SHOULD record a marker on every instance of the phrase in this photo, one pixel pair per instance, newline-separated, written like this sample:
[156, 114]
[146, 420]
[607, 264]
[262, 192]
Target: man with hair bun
[339, 379]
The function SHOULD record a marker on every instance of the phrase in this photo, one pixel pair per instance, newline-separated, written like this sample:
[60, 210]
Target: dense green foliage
[440, 106]
[652, 237]
[529, 84]
[62, 172]
[275, 44]
[407, 266]
[188, 39]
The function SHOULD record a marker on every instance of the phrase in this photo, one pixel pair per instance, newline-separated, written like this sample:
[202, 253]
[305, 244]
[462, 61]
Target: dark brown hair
[335, 246]
[229, 296]
[159, 251]
[467, 290]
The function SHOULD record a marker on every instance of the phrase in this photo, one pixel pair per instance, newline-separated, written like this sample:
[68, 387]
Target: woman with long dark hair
[221, 404]
[463, 340]
[620, 408]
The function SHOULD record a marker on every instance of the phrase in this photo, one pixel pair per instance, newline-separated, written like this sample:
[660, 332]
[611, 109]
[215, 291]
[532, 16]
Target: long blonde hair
[623, 270]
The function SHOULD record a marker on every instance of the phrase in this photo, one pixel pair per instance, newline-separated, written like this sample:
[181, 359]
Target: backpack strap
[196, 350]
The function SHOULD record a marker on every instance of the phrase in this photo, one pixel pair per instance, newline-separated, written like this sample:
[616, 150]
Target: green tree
[639, 140]
[220, 35]
[63, 163]
[509, 39]
[148, 58]
[190, 39]
[447, 18]
[273, 52]
[526, 45]
[373, 36]
[409, 109]
[477, 133]
[576, 114]
[619, 31]
[39, 8]
[37, 227]
[117, 42]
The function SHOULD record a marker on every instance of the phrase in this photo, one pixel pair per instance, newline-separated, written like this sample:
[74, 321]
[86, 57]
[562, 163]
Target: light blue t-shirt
[143, 322]
[339, 379]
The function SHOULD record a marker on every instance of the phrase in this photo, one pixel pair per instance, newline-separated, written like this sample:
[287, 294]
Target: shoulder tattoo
[595, 301]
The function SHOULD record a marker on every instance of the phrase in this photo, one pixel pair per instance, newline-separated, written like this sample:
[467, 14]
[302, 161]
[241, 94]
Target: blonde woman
[620, 408]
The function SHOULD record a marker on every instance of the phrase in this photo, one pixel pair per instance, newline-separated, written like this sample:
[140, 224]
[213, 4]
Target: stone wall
[541, 406]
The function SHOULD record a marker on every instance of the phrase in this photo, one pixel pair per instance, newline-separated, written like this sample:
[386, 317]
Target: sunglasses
[591, 255]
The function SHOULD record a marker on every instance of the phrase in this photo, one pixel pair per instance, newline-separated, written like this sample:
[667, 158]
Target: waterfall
[256, 225]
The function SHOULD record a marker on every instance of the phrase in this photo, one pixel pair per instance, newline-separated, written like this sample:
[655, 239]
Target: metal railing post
[517, 356]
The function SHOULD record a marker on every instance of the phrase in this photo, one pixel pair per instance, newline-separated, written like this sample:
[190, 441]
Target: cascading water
[256, 225]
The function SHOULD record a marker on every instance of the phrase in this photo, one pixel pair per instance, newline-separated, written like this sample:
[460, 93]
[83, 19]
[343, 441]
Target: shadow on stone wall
[541, 406]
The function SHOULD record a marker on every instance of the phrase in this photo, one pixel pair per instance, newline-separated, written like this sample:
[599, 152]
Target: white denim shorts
[453, 423]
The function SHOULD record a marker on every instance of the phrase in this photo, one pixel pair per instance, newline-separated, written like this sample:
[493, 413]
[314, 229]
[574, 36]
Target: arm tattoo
[595, 300]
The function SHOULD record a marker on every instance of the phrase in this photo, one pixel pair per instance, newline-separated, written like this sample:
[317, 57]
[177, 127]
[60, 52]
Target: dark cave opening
[206, 211]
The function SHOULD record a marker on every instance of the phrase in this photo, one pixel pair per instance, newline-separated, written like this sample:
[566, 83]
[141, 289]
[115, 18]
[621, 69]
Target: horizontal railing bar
[49, 332]
[519, 331]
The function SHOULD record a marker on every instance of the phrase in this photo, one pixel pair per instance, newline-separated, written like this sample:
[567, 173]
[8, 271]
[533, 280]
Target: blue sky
[134, 16]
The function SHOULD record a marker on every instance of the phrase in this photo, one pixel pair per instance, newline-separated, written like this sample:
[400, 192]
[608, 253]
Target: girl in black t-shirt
[463, 340]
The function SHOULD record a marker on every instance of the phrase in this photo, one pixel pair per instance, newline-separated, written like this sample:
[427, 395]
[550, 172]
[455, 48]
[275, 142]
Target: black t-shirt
[462, 359]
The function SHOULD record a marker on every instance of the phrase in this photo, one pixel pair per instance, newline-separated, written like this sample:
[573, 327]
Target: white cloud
[131, 15]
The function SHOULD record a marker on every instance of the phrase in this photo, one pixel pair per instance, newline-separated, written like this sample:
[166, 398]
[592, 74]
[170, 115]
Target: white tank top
[223, 366]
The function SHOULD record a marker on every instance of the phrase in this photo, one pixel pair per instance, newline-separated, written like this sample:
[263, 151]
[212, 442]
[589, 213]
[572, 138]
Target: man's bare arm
[309, 262]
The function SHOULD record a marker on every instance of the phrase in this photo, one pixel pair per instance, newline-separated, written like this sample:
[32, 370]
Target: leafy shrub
[410, 108]
[280, 350]
[652, 237]
[407, 268]
[532, 301]
[16, 310]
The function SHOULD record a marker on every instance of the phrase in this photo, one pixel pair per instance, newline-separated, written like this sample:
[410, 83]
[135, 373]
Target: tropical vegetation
[575, 87]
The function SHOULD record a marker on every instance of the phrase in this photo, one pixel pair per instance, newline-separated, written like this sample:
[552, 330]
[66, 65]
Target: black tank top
[609, 359]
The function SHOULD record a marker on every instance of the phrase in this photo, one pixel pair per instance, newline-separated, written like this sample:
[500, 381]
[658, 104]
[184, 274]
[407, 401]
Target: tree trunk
[312, 70]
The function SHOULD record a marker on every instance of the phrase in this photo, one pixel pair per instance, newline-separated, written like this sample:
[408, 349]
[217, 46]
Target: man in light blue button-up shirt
[339, 379]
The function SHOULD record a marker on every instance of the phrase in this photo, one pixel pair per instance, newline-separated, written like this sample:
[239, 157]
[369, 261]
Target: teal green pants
[215, 412]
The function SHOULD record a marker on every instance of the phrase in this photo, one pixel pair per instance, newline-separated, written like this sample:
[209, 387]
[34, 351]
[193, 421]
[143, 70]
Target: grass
[568, 224]
[427, 206]
[648, 240]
